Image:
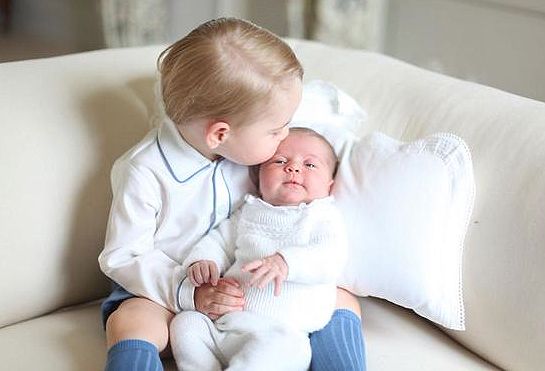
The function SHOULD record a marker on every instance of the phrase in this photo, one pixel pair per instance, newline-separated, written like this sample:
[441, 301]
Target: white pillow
[407, 207]
[324, 104]
[331, 112]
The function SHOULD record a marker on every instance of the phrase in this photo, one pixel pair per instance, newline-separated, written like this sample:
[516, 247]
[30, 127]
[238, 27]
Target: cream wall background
[187, 14]
[495, 42]
[60, 25]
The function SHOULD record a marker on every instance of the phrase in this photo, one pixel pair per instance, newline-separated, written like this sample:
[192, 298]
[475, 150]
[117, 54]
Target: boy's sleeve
[129, 257]
[323, 259]
[218, 246]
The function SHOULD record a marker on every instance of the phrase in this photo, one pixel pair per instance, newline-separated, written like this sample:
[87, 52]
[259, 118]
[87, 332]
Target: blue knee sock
[134, 355]
[339, 345]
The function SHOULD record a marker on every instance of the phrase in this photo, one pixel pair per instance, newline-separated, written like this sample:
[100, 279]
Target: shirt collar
[182, 160]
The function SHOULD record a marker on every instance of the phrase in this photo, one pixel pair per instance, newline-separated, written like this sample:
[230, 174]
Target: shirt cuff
[186, 291]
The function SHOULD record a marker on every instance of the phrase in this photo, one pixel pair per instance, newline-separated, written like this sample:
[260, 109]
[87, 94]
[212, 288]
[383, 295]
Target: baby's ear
[216, 133]
[331, 182]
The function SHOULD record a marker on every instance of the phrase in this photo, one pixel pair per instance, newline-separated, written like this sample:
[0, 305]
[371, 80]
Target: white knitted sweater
[311, 239]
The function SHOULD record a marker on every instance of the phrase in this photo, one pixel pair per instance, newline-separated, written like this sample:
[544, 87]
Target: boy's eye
[310, 165]
[279, 161]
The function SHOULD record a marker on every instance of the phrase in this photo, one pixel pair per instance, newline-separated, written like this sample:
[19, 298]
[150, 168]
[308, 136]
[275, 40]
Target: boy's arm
[129, 256]
[217, 246]
[323, 259]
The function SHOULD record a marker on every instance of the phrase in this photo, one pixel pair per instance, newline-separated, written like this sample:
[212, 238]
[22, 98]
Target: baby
[286, 249]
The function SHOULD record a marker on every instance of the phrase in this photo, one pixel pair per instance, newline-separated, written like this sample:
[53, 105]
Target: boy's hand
[265, 270]
[203, 271]
[215, 301]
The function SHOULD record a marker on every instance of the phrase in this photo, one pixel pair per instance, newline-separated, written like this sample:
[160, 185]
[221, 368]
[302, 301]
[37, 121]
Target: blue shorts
[113, 301]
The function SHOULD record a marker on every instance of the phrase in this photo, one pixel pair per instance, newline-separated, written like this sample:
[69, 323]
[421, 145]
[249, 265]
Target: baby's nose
[292, 168]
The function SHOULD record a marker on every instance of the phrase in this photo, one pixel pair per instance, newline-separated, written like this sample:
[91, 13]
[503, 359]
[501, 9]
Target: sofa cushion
[397, 339]
[64, 121]
[73, 339]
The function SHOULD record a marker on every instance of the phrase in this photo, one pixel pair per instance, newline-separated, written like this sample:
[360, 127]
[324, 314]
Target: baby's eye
[279, 161]
[310, 165]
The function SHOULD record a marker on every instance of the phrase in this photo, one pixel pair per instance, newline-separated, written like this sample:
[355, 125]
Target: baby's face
[301, 170]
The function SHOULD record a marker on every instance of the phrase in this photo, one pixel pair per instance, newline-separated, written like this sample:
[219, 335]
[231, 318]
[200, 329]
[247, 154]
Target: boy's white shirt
[311, 239]
[166, 197]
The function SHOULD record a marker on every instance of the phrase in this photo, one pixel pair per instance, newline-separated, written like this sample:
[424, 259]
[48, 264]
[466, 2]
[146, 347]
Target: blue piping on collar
[214, 200]
[167, 164]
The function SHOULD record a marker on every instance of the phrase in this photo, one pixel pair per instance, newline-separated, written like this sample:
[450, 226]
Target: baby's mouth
[293, 183]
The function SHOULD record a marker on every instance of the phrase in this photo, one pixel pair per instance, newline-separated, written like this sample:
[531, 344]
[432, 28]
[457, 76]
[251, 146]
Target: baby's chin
[288, 200]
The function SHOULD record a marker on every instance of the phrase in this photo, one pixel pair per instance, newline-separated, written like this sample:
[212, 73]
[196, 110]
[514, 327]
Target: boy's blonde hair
[224, 69]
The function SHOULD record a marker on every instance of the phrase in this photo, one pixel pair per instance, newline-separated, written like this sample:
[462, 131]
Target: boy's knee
[346, 300]
[137, 319]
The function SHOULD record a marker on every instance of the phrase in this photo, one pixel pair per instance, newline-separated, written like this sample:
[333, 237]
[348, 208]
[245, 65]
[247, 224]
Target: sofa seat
[73, 339]
[398, 339]
[69, 339]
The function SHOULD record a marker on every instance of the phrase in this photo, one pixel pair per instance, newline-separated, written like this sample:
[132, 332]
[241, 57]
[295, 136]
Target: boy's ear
[216, 133]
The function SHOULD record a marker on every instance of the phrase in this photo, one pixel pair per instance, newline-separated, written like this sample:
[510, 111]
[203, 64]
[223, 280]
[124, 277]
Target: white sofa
[65, 119]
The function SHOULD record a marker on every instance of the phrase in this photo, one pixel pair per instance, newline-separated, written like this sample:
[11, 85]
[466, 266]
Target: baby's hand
[265, 270]
[203, 271]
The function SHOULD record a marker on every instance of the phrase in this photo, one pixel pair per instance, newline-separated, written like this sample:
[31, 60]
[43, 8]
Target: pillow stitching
[454, 146]
[467, 185]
